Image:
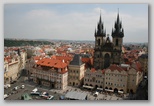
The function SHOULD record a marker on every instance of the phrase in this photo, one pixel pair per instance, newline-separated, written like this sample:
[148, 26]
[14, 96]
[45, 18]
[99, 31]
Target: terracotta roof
[8, 59]
[65, 58]
[137, 66]
[113, 67]
[93, 70]
[103, 71]
[86, 60]
[51, 63]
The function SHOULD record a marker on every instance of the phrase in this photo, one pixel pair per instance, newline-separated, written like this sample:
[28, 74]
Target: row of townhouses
[13, 65]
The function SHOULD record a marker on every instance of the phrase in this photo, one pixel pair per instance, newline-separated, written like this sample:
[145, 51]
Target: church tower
[117, 37]
[100, 35]
[107, 52]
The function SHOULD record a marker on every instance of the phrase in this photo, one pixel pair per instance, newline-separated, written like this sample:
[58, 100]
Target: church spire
[117, 27]
[100, 21]
[118, 16]
[95, 32]
[100, 27]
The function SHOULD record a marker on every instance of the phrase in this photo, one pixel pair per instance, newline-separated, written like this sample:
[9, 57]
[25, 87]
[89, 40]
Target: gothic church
[108, 52]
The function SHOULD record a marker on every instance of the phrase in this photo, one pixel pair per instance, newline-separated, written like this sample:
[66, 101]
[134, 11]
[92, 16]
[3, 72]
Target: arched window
[98, 41]
[117, 42]
[107, 60]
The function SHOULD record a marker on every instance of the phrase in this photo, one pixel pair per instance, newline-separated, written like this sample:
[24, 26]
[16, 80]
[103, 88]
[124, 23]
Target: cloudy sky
[73, 21]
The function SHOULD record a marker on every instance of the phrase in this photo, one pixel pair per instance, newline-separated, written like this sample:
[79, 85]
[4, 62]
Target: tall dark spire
[100, 20]
[118, 16]
[117, 32]
[100, 28]
[95, 32]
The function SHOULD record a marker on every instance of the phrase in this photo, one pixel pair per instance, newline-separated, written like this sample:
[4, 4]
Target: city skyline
[73, 21]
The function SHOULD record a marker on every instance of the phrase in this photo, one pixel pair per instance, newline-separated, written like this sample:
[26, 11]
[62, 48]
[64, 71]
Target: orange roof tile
[93, 70]
[115, 67]
[103, 71]
[51, 63]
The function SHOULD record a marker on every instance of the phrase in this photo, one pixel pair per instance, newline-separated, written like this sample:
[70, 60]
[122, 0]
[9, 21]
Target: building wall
[134, 78]
[49, 78]
[125, 81]
[116, 79]
[94, 79]
[144, 63]
[23, 59]
[75, 75]
[13, 70]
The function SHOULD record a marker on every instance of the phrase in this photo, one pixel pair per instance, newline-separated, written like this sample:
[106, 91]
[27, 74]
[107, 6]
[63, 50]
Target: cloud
[50, 24]
[41, 14]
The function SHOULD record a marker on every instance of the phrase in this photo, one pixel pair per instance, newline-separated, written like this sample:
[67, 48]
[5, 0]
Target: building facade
[143, 59]
[76, 71]
[11, 70]
[49, 72]
[124, 78]
[94, 78]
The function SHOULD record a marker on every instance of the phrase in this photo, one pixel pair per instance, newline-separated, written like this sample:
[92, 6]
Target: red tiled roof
[115, 67]
[8, 59]
[85, 60]
[137, 66]
[93, 70]
[103, 71]
[65, 58]
[51, 63]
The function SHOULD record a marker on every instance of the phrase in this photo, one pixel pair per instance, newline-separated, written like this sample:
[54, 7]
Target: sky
[74, 21]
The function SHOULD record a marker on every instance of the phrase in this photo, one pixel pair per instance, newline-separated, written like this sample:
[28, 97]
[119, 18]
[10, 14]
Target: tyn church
[108, 52]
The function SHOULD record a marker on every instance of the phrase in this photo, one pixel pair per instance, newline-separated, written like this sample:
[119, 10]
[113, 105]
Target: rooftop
[76, 60]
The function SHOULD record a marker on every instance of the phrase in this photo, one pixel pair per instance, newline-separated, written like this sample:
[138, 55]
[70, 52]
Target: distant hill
[15, 42]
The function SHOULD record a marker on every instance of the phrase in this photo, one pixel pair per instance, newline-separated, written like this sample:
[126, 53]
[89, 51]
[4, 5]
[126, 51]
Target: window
[98, 41]
[117, 42]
